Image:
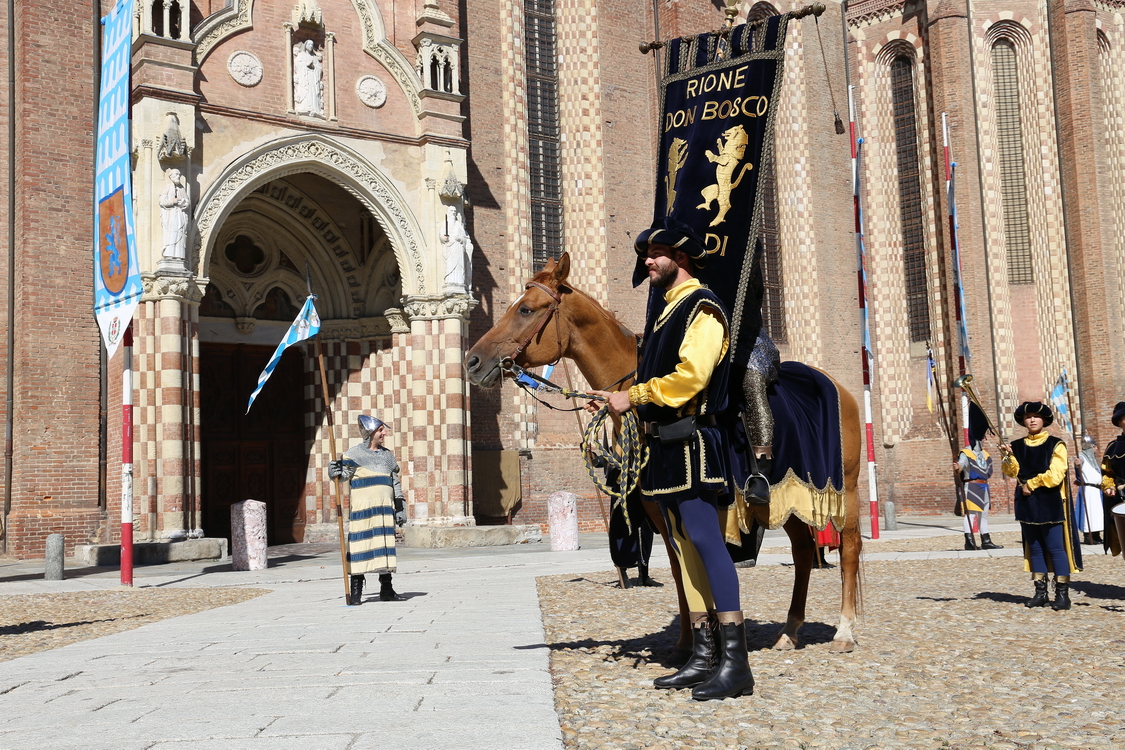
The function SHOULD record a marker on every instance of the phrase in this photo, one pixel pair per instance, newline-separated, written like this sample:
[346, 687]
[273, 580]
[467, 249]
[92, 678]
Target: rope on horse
[631, 457]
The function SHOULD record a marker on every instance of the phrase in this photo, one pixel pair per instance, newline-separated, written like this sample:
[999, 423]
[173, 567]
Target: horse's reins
[634, 453]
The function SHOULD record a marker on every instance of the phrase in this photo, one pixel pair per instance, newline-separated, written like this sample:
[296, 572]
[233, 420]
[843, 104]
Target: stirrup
[756, 490]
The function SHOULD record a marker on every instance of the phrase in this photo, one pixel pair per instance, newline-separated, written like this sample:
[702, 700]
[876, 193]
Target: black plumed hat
[1034, 407]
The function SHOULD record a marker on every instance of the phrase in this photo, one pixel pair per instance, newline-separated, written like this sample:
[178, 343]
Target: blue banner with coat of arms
[117, 278]
[716, 136]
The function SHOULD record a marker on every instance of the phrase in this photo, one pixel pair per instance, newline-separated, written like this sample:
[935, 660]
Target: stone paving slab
[464, 662]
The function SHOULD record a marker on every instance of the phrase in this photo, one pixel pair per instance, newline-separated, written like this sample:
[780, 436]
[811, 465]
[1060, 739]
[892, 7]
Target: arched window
[1009, 149]
[543, 130]
[910, 197]
[276, 306]
[213, 305]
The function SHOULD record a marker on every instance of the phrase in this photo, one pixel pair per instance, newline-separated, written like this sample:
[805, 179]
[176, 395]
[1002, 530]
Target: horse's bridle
[556, 300]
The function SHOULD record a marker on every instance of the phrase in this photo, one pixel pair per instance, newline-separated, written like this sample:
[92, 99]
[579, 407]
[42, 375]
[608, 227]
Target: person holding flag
[1050, 541]
[377, 506]
[975, 466]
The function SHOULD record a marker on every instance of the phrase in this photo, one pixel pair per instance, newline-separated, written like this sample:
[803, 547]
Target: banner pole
[336, 483]
[865, 349]
[127, 457]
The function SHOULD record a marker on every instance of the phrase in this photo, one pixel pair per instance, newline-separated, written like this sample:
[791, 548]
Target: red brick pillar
[1089, 220]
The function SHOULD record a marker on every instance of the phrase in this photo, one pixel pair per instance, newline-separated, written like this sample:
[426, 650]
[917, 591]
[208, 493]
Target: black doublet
[696, 467]
[1114, 458]
[1045, 504]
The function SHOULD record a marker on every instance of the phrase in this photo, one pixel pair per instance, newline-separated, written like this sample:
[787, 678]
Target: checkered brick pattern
[1113, 93]
[166, 431]
[1044, 205]
[580, 115]
[414, 383]
[798, 246]
[890, 330]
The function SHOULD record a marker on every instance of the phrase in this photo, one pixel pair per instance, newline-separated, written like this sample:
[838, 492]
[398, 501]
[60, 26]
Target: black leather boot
[357, 590]
[386, 591]
[1097, 537]
[987, 543]
[701, 662]
[643, 577]
[970, 544]
[732, 677]
[1040, 598]
[1062, 593]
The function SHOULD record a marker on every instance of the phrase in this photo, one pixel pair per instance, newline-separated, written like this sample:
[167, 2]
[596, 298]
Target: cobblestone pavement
[947, 658]
[38, 622]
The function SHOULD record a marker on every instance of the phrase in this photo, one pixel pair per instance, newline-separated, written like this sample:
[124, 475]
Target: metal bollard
[54, 557]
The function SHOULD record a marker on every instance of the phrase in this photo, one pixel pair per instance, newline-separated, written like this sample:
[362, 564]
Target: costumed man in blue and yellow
[1050, 539]
[1113, 482]
[377, 506]
[681, 390]
[975, 466]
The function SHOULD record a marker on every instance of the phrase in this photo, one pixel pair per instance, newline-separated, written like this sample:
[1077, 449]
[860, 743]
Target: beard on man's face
[663, 276]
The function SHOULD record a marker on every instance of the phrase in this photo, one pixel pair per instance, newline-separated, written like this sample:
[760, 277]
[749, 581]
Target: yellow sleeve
[1010, 466]
[1055, 474]
[1108, 480]
[703, 346]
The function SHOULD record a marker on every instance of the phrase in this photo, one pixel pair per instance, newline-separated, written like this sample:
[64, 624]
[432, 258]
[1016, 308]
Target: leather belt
[977, 481]
[704, 420]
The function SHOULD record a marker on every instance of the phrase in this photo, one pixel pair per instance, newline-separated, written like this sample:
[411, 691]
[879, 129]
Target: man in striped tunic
[377, 505]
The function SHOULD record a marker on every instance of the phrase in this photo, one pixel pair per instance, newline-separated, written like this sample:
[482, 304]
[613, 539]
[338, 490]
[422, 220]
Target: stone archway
[333, 161]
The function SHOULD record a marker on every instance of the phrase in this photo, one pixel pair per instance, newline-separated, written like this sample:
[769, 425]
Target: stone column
[175, 395]
[440, 446]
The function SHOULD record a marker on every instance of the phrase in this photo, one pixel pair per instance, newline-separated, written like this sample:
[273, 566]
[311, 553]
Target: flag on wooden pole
[306, 325]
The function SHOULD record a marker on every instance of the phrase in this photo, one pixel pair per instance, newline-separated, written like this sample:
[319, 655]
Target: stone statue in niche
[174, 205]
[457, 248]
[308, 79]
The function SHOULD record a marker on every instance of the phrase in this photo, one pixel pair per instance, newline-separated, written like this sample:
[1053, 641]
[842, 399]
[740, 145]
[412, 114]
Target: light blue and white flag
[1058, 402]
[117, 277]
[305, 326]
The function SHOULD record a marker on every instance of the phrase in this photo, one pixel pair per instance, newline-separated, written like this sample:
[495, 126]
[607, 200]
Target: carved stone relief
[245, 68]
[371, 91]
[318, 157]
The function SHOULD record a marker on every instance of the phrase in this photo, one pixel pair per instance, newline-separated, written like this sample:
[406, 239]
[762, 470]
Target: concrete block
[248, 535]
[436, 537]
[562, 516]
[54, 555]
[154, 553]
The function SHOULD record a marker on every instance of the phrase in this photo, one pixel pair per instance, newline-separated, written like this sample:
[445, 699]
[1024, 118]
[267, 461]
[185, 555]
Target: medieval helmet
[368, 425]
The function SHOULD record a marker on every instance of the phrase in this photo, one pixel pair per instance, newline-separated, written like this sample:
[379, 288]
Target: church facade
[412, 164]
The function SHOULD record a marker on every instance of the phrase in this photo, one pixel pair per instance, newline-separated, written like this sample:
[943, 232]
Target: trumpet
[965, 383]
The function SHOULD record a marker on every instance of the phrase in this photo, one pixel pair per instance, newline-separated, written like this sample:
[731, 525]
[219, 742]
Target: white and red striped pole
[127, 458]
[861, 274]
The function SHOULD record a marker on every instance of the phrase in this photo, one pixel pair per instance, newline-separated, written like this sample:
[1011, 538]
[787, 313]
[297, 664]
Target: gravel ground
[947, 657]
[39, 622]
[944, 543]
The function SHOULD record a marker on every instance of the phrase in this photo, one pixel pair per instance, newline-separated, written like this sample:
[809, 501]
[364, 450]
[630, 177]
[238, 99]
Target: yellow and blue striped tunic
[371, 522]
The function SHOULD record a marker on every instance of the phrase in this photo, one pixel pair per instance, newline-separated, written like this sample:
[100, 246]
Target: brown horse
[552, 319]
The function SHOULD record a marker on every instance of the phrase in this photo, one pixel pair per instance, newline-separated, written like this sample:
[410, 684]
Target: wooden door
[255, 456]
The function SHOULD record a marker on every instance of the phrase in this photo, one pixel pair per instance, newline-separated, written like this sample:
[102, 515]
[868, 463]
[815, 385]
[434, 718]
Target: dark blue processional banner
[716, 136]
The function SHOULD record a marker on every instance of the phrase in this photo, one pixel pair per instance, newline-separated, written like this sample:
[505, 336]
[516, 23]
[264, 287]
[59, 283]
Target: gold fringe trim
[734, 520]
[813, 505]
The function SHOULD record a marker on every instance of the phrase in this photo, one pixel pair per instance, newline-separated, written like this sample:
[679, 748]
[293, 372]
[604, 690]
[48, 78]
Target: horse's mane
[544, 276]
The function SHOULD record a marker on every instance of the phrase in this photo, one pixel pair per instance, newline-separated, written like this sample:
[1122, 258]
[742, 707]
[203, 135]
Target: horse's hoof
[784, 643]
[841, 647]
